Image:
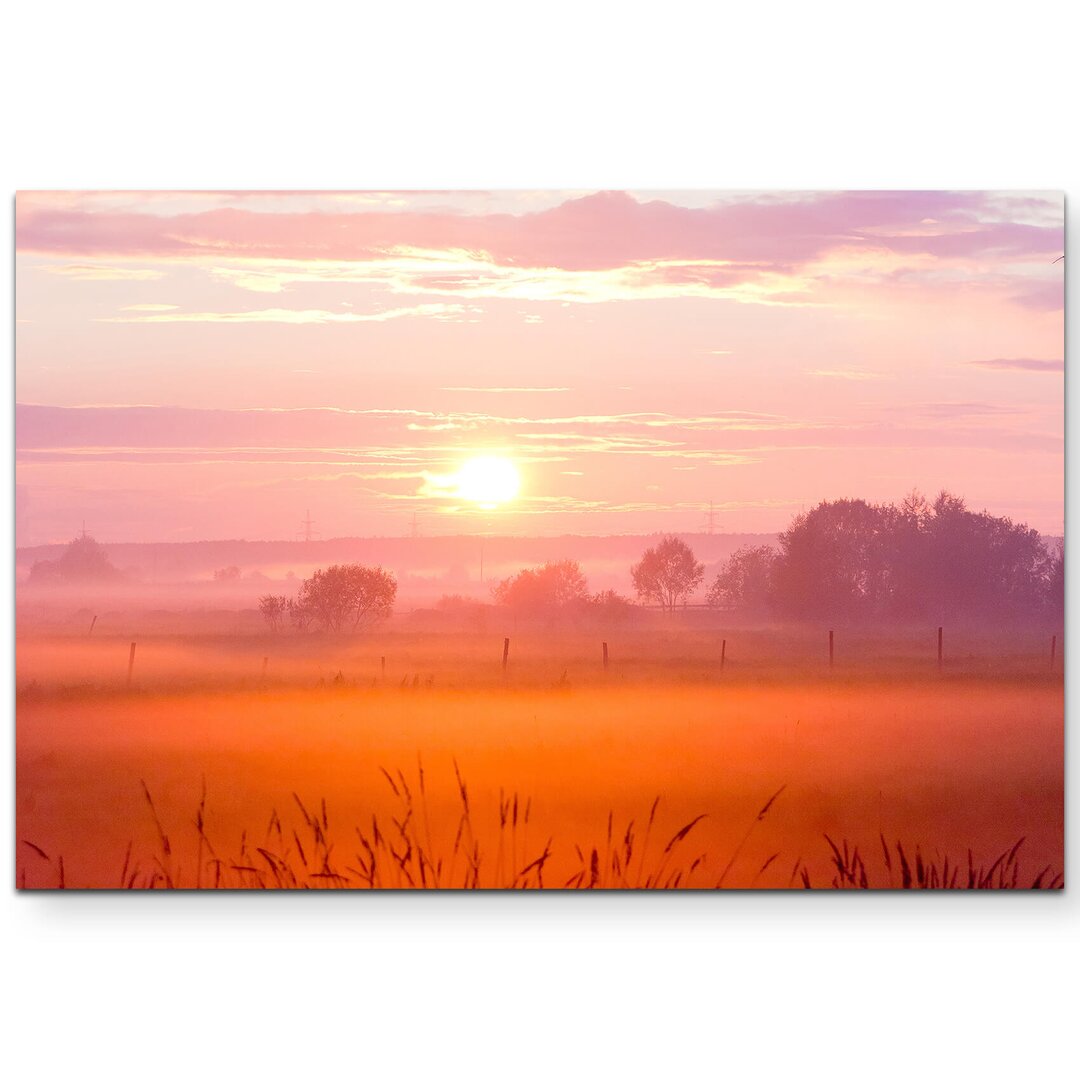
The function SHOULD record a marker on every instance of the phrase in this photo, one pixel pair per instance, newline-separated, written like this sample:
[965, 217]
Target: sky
[216, 365]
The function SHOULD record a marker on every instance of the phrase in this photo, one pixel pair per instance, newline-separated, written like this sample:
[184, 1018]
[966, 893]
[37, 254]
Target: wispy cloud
[506, 389]
[297, 316]
[848, 374]
[413, 436]
[1021, 365]
[1046, 296]
[476, 274]
[789, 250]
[602, 230]
[97, 272]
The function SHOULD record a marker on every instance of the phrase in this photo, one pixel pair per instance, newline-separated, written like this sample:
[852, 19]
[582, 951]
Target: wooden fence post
[940, 649]
[131, 662]
[605, 655]
[506, 653]
[723, 653]
[831, 651]
[1053, 652]
[266, 660]
[91, 630]
[382, 668]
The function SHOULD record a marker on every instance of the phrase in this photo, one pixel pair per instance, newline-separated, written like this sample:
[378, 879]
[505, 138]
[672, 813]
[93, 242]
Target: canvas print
[539, 539]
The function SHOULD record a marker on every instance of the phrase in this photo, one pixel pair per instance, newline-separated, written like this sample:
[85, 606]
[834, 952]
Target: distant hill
[425, 565]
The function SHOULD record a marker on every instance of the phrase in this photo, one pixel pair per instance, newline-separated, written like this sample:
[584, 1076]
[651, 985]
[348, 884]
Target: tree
[463, 610]
[982, 565]
[913, 560]
[1055, 582]
[667, 573]
[909, 556]
[298, 614]
[273, 610]
[227, 573]
[745, 582]
[345, 597]
[82, 561]
[610, 607]
[834, 560]
[553, 587]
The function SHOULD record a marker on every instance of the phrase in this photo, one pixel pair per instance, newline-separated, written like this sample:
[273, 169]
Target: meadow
[301, 761]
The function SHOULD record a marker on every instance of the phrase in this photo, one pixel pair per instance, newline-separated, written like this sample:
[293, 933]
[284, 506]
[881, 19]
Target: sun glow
[488, 481]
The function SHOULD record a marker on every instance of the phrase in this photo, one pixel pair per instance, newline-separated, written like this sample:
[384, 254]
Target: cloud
[298, 316]
[1021, 365]
[150, 307]
[954, 410]
[847, 373]
[468, 274]
[603, 230]
[1046, 296]
[88, 272]
[608, 245]
[436, 441]
[506, 389]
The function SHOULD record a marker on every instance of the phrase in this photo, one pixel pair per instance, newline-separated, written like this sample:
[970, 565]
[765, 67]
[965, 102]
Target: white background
[765, 95]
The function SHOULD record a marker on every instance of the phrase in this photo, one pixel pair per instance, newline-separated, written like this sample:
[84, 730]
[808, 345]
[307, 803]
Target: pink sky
[213, 364]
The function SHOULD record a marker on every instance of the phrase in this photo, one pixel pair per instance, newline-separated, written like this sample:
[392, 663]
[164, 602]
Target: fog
[353, 726]
[881, 743]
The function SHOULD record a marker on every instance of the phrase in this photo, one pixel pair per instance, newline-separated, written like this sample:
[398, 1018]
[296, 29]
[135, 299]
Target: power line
[306, 533]
[710, 520]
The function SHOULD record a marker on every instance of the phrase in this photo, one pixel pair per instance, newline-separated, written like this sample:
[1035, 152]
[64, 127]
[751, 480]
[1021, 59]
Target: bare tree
[667, 573]
[273, 610]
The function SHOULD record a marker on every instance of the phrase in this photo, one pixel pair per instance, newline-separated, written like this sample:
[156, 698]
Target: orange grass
[561, 773]
[304, 853]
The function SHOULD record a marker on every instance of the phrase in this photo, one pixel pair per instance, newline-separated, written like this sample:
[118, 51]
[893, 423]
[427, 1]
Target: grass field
[316, 759]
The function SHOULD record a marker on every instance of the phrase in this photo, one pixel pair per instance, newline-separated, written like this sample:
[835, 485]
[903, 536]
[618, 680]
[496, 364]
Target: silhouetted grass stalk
[398, 852]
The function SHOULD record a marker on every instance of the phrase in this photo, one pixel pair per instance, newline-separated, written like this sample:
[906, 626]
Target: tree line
[844, 559]
[914, 559]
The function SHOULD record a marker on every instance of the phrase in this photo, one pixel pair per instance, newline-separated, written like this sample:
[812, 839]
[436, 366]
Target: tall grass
[397, 851]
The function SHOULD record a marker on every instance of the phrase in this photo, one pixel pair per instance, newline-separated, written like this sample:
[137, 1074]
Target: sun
[488, 481]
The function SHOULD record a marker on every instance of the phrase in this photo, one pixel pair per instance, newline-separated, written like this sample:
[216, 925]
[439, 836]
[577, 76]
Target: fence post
[723, 653]
[131, 662]
[266, 660]
[831, 652]
[506, 653]
[1053, 652]
[91, 630]
[605, 655]
[382, 668]
[940, 650]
